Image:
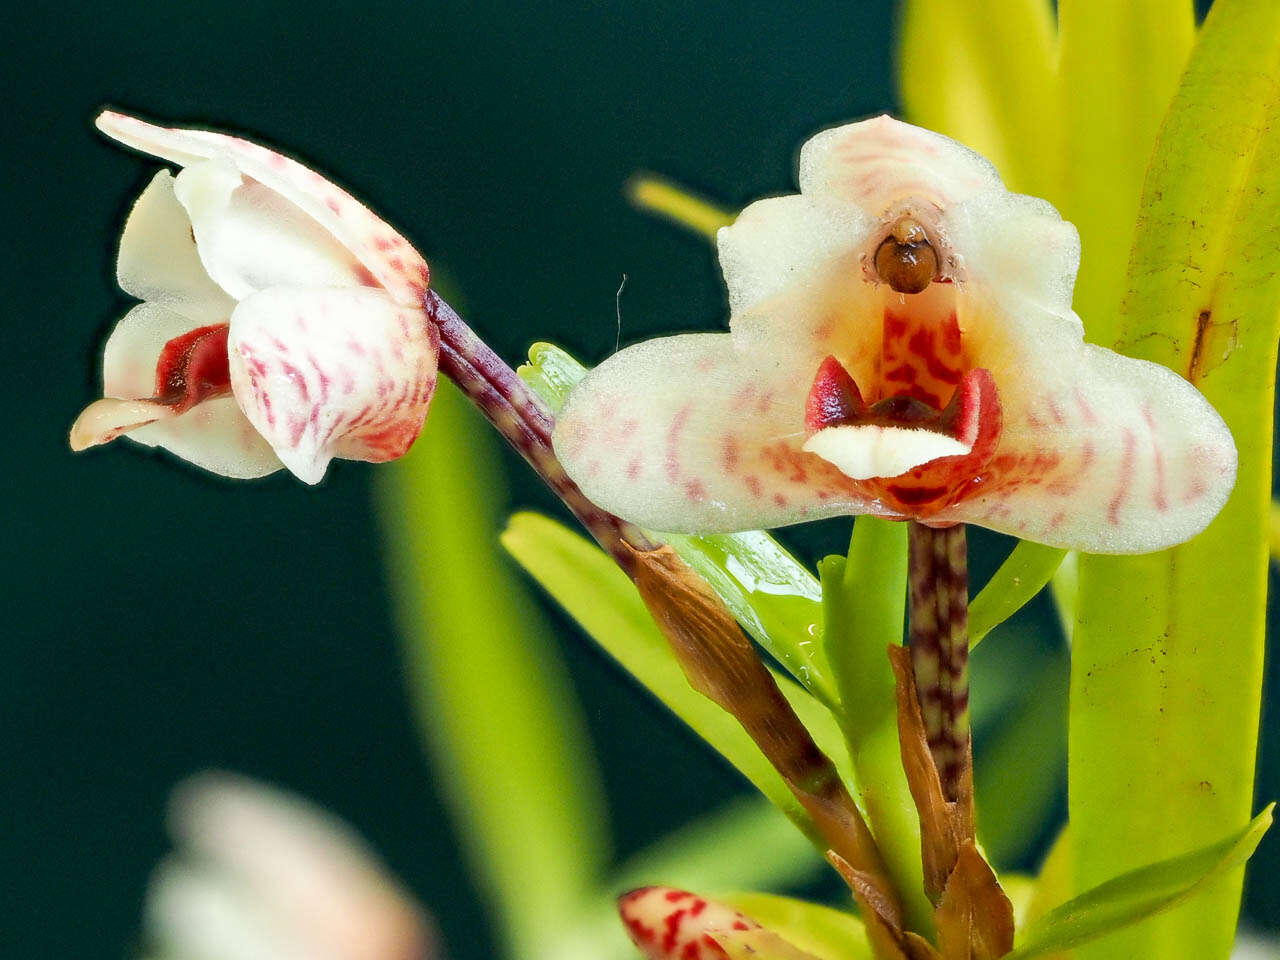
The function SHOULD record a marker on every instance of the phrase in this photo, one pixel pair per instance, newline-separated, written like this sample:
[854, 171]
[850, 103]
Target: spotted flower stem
[939, 584]
[524, 420]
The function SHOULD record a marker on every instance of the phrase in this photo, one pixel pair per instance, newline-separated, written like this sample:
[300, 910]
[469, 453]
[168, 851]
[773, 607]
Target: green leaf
[1119, 68]
[1168, 648]
[1139, 894]
[601, 598]
[826, 933]
[864, 599]
[494, 701]
[1029, 567]
[777, 601]
[982, 71]
[1020, 764]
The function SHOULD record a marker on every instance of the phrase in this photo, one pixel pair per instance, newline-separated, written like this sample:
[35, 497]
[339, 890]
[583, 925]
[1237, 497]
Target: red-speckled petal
[879, 163]
[1098, 452]
[391, 261]
[669, 924]
[684, 433]
[158, 261]
[332, 373]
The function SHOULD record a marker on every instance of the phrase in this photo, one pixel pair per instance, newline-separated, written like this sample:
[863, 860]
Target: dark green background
[157, 621]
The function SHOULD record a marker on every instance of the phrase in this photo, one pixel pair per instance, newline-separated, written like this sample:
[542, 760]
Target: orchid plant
[902, 347]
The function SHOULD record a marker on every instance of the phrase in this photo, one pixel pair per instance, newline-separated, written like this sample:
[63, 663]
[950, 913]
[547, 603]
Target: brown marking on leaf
[884, 930]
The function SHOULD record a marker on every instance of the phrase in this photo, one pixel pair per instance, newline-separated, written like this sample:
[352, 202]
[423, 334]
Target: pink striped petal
[392, 262]
[324, 373]
[669, 924]
[1099, 452]
[878, 163]
[685, 433]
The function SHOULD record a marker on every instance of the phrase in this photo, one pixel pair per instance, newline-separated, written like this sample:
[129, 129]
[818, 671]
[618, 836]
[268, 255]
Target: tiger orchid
[901, 344]
[282, 322]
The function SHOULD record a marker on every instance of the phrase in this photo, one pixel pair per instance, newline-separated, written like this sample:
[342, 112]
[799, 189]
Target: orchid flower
[901, 344]
[261, 874]
[281, 324]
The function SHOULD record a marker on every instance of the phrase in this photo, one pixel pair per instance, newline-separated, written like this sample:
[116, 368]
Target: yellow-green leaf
[982, 71]
[1167, 659]
[1139, 894]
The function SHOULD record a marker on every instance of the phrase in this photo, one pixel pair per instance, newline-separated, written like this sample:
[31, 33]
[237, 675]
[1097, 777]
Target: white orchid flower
[901, 344]
[281, 324]
[262, 875]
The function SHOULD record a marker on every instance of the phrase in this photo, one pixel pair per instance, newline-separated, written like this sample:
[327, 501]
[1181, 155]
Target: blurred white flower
[263, 875]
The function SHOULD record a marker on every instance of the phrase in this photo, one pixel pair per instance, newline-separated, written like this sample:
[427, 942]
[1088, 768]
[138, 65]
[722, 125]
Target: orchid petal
[393, 263]
[158, 259]
[881, 162]
[1099, 452]
[250, 238]
[780, 241]
[683, 433]
[332, 372]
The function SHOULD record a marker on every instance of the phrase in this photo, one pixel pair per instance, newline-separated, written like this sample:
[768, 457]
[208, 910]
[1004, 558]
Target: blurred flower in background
[260, 874]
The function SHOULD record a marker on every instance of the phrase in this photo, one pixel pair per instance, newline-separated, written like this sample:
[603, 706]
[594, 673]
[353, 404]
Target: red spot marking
[1086, 456]
[1197, 490]
[333, 205]
[672, 927]
[633, 469]
[675, 896]
[753, 485]
[729, 454]
[627, 428]
[741, 925]
[690, 951]
[779, 499]
[396, 263]
[1033, 421]
[1055, 411]
[1159, 497]
[364, 275]
[1086, 411]
[765, 402]
[671, 461]
[698, 906]
[695, 491]
[901, 374]
[1057, 520]
[1126, 478]
[383, 244]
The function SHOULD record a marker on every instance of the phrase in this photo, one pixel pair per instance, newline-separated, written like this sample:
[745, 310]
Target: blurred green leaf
[1168, 648]
[982, 71]
[660, 196]
[1139, 894]
[1118, 70]
[1021, 765]
[864, 601]
[777, 601]
[826, 933]
[600, 597]
[492, 696]
[1023, 575]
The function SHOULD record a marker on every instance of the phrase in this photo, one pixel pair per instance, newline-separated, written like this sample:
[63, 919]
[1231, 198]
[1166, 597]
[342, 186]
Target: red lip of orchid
[901, 344]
